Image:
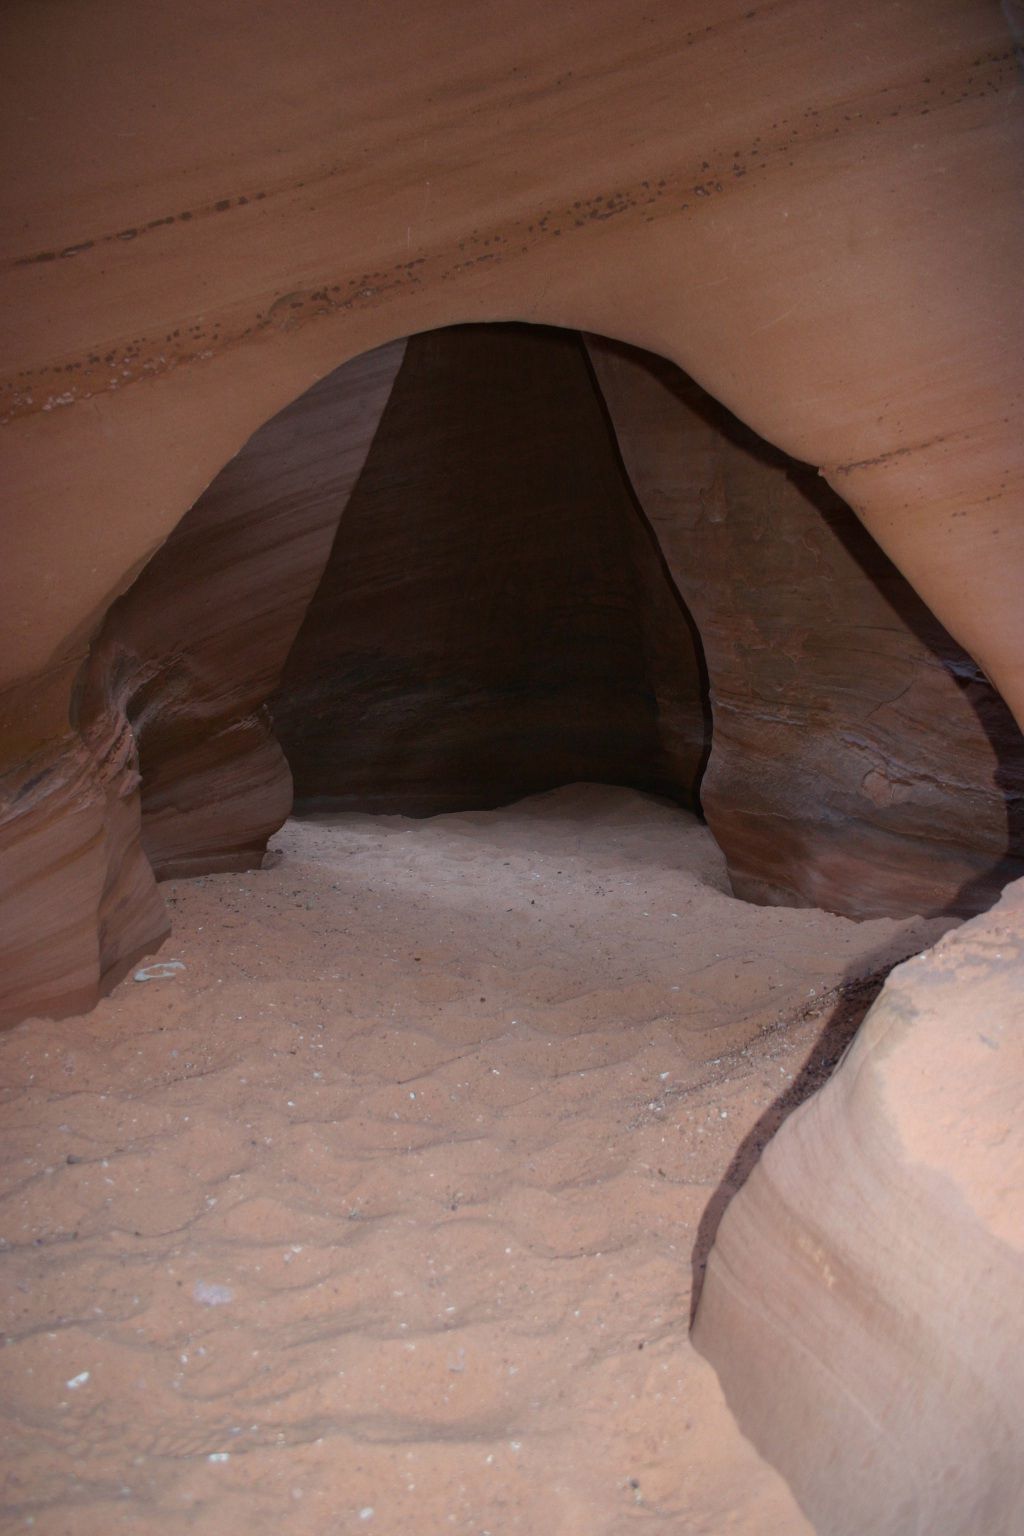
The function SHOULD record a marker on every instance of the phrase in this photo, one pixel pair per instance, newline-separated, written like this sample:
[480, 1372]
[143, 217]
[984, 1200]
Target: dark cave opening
[496, 617]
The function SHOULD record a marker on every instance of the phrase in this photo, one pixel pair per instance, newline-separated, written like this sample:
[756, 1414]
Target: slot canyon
[511, 770]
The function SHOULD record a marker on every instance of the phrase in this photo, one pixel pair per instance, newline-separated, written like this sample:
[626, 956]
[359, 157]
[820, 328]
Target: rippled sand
[379, 1216]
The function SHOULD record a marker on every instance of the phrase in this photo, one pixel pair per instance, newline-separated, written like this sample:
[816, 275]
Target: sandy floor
[379, 1215]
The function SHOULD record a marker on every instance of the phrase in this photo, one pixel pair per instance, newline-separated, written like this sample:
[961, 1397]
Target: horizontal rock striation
[814, 210]
[77, 894]
[191, 653]
[860, 759]
[495, 618]
[174, 769]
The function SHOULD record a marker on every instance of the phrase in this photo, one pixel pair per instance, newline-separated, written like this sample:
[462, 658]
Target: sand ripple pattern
[379, 1215]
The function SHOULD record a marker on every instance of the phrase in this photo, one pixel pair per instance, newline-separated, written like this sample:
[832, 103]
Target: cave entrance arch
[469, 452]
[434, 568]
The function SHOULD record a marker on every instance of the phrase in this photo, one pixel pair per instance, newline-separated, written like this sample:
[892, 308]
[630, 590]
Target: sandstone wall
[173, 696]
[861, 761]
[495, 618]
[814, 209]
[815, 212]
[862, 1299]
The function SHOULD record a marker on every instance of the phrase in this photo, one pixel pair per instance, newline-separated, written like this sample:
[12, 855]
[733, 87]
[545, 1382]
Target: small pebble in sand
[210, 1295]
[162, 971]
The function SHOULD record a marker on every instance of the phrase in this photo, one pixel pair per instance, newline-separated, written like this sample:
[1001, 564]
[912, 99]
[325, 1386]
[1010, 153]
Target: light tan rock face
[860, 760]
[864, 1300]
[495, 618]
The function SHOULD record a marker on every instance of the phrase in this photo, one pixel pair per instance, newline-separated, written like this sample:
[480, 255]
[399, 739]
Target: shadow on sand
[843, 1010]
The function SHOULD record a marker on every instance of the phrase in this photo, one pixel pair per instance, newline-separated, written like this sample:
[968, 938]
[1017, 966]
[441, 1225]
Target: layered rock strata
[861, 761]
[78, 902]
[495, 618]
[172, 699]
[814, 209]
[821, 222]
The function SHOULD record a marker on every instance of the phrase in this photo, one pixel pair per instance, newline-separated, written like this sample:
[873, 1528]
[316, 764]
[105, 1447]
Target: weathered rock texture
[815, 210]
[77, 898]
[860, 759]
[863, 1300]
[495, 618]
[173, 695]
[191, 653]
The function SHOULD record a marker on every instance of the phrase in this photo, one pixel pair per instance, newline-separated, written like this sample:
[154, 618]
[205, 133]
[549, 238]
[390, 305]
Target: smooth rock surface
[860, 760]
[874, 1262]
[495, 618]
[815, 209]
[78, 902]
[172, 697]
